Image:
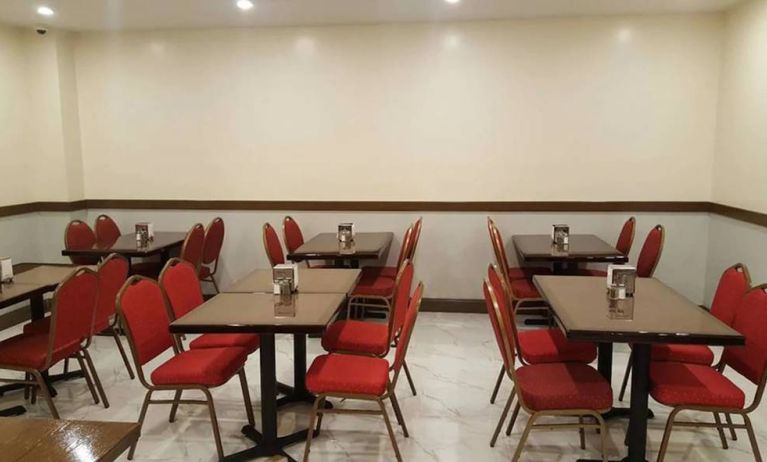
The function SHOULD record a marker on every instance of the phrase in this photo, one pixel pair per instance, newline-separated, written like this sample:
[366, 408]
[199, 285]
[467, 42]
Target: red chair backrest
[404, 250]
[401, 299]
[213, 241]
[498, 249]
[272, 246]
[191, 250]
[500, 290]
[106, 230]
[407, 329]
[626, 237]
[74, 305]
[294, 238]
[416, 236]
[501, 335]
[113, 272]
[78, 235]
[651, 251]
[141, 305]
[750, 320]
[179, 282]
[733, 284]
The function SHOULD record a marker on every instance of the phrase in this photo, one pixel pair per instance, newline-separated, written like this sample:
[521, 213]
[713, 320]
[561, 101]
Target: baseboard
[453, 305]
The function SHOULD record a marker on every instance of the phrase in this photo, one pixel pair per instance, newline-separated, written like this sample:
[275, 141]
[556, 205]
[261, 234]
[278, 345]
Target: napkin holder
[145, 230]
[6, 270]
[560, 235]
[285, 278]
[621, 281]
[345, 233]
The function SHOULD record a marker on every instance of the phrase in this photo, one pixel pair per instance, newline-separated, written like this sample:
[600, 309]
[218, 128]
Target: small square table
[125, 245]
[324, 246]
[660, 315]
[310, 280]
[255, 313]
[583, 248]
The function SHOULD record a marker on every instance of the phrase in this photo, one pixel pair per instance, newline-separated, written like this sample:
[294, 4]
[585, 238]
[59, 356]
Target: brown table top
[660, 314]
[255, 313]
[17, 292]
[35, 440]
[325, 246]
[50, 275]
[126, 245]
[582, 248]
[310, 280]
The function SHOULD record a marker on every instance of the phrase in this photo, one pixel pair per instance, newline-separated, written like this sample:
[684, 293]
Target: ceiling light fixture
[244, 5]
[44, 11]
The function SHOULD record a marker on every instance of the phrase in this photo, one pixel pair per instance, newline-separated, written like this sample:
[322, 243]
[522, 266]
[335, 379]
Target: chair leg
[398, 413]
[733, 435]
[33, 397]
[720, 429]
[120, 348]
[141, 417]
[667, 434]
[43, 386]
[27, 388]
[246, 398]
[87, 377]
[752, 438]
[319, 417]
[523, 440]
[66, 366]
[389, 428]
[502, 419]
[513, 419]
[603, 435]
[96, 378]
[626, 377]
[214, 423]
[215, 285]
[497, 385]
[582, 433]
[409, 378]
[174, 406]
[310, 434]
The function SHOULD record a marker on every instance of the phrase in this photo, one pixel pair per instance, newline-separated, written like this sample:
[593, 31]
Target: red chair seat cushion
[250, 342]
[563, 386]
[29, 351]
[550, 346]
[357, 337]
[374, 286]
[526, 272]
[210, 367]
[693, 354]
[524, 288]
[379, 271]
[348, 374]
[675, 384]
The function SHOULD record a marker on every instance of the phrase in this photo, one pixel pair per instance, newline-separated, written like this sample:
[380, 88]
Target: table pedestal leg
[298, 392]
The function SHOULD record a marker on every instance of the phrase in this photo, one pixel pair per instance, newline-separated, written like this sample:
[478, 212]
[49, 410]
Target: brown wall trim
[453, 305]
[413, 206]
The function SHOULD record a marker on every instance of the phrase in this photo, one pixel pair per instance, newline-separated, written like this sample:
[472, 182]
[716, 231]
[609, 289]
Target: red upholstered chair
[211, 251]
[649, 256]
[74, 304]
[191, 249]
[512, 273]
[373, 338]
[142, 306]
[696, 387]
[539, 346]
[623, 245]
[372, 272]
[112, 272]
[78, 235]
[183, 294]
[416, 238]
[294, 239]
[362, 378]
[549, 390]
[733, 285]
[273, 246]
[107, 231]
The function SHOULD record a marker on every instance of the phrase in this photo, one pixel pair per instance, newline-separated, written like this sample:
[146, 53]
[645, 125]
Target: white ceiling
[157, 14]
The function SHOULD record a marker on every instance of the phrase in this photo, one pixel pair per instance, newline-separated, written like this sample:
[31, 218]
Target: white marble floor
[454, 361]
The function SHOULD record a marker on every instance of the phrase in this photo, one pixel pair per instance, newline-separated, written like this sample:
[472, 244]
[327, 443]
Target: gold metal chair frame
[582, 425]
[318, 409]
[727, 412]
[178, 389]
[213, 270]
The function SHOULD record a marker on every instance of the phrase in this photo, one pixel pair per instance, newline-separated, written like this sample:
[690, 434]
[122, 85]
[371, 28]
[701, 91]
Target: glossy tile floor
[454, 361]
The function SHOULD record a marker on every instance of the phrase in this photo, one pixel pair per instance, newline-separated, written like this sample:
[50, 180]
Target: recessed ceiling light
[44, 11]
[453, 2]
[244, 5]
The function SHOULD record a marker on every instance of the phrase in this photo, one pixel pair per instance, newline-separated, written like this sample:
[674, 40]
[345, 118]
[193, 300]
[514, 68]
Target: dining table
[51, 440]
[581, 248]
[656, 314]
[162, 244]
[30, 283]
[254, 309]
[325, 246]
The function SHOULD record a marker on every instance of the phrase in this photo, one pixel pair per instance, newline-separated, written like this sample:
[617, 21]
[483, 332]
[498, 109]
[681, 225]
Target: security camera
[41, 30]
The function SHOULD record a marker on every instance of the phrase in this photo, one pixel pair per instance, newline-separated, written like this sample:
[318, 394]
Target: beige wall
[617, 108]
[740, 174]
